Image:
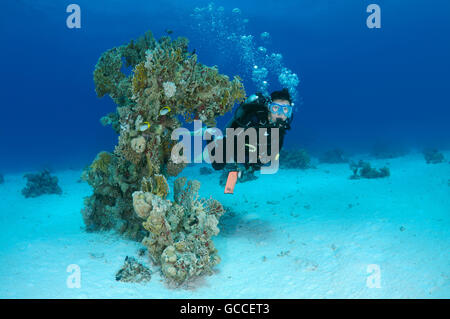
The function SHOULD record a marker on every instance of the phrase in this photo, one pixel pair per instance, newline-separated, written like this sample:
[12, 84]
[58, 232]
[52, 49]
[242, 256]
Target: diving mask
[281, 109]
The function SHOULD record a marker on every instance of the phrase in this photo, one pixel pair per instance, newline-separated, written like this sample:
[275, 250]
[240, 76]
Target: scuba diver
[258, 112]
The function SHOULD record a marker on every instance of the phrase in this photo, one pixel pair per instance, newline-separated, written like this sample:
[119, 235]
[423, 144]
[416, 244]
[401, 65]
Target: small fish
[164, 110]
[168, 31]
[144, 126]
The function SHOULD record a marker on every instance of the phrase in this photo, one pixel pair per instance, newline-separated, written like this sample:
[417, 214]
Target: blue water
[357, 87]
[357, 84]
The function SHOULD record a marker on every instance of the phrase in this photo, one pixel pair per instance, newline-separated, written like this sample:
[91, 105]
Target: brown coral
[101, 162]
[173, 169]
[139, 79]
[180, 231]
[156, 184]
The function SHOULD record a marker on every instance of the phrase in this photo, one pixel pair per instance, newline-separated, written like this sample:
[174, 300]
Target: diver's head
[280, 107]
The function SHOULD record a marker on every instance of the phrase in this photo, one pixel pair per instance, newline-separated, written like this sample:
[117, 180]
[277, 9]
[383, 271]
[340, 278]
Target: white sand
[293, 235]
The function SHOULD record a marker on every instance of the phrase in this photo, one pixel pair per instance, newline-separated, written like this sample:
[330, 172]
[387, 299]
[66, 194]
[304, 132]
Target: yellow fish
[145, 126]
[164, 110]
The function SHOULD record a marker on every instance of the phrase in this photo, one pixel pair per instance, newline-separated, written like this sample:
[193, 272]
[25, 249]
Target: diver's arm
[240, 117]
[224, 164]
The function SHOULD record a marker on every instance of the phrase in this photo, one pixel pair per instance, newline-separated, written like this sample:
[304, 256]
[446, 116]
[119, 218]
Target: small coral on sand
[40, 184]
[365, 170]
[433, 156]
[296, 158]
[133, 271]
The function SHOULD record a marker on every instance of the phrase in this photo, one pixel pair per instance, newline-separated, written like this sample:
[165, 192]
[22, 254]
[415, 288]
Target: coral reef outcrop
[167, 86]
[363, 169]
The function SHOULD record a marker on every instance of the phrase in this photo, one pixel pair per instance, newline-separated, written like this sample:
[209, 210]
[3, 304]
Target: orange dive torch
[231, 182]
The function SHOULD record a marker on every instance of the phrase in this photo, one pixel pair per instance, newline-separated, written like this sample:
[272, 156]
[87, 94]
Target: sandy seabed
[295, 234]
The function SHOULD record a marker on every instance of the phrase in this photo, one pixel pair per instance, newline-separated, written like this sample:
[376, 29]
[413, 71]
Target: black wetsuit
[256, 115]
